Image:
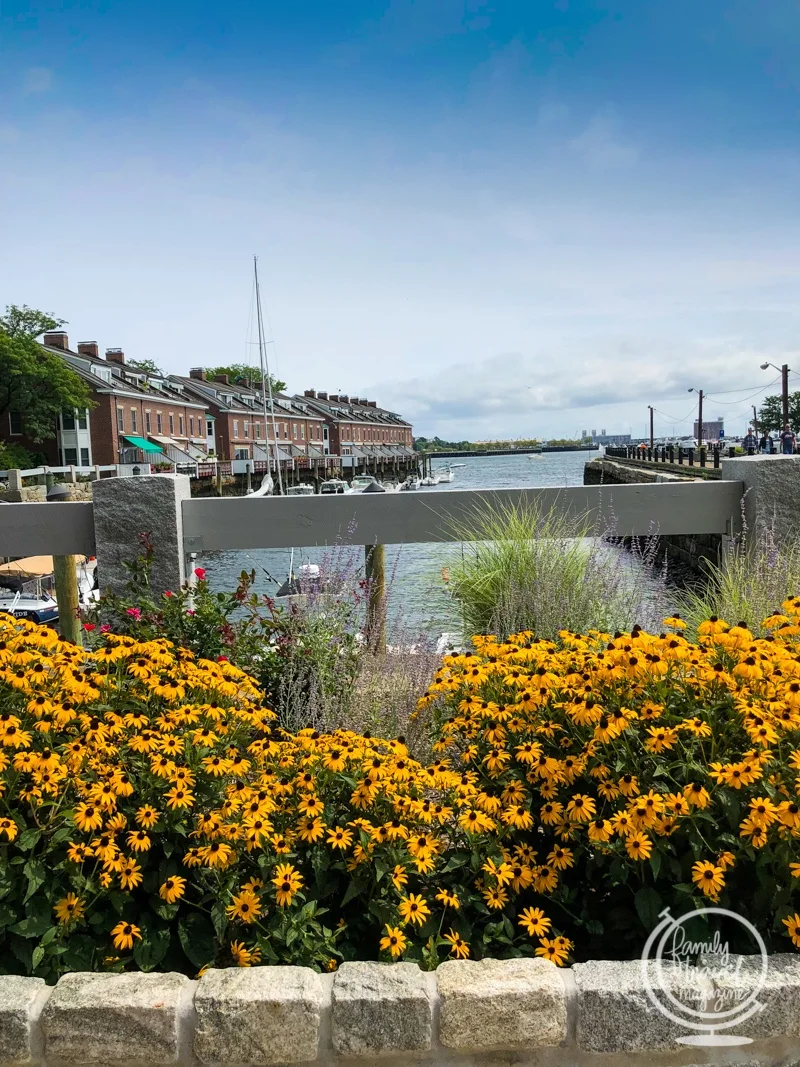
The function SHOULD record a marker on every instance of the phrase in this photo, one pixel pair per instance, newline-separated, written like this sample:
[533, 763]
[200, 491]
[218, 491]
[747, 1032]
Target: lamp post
[650, 409]
[784, 388]
[699, 415]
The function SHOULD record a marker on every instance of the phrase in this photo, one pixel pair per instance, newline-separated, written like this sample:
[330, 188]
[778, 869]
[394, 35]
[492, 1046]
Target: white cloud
[38, 80]
[601, 146]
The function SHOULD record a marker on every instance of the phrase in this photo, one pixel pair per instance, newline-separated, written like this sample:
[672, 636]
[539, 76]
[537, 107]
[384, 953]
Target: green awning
[144, 444]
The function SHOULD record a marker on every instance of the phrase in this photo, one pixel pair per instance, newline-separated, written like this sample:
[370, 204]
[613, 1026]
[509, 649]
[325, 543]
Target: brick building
[240, 430]
[136, 416]
[357, 428]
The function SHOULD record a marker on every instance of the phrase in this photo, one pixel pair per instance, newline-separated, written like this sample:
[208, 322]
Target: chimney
[322, 396]
[197, 373]
[89, 348]
[115, 355]
[223, 378]
[334, 398]
[344, 399]
[311, 392]
[57, 339]
[372, 403]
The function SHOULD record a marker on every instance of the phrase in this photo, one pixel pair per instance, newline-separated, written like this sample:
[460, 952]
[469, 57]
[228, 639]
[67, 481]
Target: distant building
[611, 438]
[711, 430]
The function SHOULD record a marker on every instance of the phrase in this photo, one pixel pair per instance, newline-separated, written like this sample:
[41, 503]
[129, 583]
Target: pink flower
[105, 628]
[191, 611]
[135, 613]
[222, 659]
[88, 627]
[168, 592]
[200, 573]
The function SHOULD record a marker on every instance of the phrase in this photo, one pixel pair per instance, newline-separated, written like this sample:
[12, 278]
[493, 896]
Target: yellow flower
[394, 942]
[414, 909]
[172, 889]
[792, 924]
[709, 878]
[69, 909]
[245, 907]
[287, 882]
[130, 874]
[399, 876]
[553, 950]
[534, 921]
[450, 900]
[124, 935]
[458, 947]
[340, 838]
[9, 828]
[638, 845]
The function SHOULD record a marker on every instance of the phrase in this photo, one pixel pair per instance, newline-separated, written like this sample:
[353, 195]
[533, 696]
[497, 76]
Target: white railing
[37, 472]
[214, 524]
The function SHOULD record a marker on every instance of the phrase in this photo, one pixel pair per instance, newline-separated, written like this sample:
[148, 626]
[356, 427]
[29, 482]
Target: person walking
[750, 442]
[763, 444]
[788, 440]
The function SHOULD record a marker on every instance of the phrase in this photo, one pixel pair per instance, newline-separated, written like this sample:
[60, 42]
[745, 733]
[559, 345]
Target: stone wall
[688, 549]
[492, 1013]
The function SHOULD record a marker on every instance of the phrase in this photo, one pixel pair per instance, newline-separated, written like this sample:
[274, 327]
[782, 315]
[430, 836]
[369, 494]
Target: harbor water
[417, 598]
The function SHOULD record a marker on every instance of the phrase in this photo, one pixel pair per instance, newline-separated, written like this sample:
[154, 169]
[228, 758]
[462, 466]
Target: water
[417, 600]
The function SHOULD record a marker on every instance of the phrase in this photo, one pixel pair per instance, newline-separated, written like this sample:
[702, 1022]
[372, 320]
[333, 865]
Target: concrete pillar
[125, 509]
[15, 481]
[771, 493]
[71, 475]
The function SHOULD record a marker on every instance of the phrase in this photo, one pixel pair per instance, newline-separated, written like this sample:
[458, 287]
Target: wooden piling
[375, 568]
[65, 573]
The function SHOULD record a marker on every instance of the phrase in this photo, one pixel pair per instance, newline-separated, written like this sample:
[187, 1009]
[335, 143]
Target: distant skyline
[499, 219]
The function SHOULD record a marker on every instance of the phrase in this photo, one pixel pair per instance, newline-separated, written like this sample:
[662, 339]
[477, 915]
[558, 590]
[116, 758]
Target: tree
[147, 365]
[770, 417]
[35, 383]
[244, 374]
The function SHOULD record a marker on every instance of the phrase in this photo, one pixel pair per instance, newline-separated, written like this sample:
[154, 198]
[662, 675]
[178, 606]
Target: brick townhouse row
[136, 416]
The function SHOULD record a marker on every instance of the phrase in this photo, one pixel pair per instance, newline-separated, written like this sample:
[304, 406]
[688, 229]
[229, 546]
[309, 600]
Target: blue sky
[501, 219]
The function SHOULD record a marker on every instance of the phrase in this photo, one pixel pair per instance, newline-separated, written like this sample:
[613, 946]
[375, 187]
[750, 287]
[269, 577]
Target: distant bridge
[509, 451]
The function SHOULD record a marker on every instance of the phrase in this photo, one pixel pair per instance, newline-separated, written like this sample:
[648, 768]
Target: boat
[411, 482]
[307, 580]
[333, 486]
[266, 488]
[27, 587]
[362, 483]
[443, 475]
[304, 489]
[428, 480]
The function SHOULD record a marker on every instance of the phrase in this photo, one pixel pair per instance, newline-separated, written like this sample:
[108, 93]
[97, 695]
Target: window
[258, 429]
[68, 420]
[15, 422]
[191, 425]
[70, 456]
[302, 432]
[246, 428]
[242, 453]
[294, 430]
[85, 457]
[83, 421]
[171, 424]
[235, 427]
[147, 422]
[120, 420]
[133, 420]
[209, 427]
[181, 425]
[159, 422]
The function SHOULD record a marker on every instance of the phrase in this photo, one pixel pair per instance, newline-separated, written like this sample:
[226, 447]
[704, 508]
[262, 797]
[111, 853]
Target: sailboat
[267, 486]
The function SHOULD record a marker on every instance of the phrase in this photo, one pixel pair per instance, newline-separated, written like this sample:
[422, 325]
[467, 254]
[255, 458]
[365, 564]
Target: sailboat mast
[266, 380]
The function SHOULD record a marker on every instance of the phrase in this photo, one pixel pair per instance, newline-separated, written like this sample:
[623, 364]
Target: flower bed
[153, 816]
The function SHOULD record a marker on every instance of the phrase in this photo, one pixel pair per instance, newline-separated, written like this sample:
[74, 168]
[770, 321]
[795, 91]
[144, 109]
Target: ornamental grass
[153, 814]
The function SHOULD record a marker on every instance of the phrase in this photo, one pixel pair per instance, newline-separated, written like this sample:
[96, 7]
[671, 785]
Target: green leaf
[34, 926]
[655, 863]
[152, 949]
[197, 939]
[35, 873]
[648, 906]
[37, 957]
[28, 838]
[219, 918]
[353, 890]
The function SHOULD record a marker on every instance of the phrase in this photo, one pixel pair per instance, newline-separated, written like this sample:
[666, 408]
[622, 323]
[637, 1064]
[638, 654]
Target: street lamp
[784, 387]
[699, 415]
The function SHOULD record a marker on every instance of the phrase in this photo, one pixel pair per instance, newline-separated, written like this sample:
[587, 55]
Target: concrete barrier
[492, 1013]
